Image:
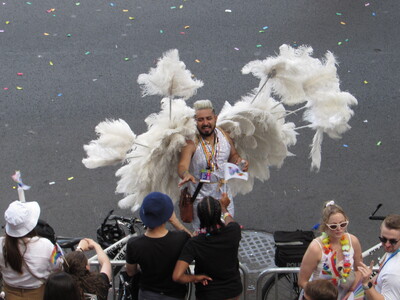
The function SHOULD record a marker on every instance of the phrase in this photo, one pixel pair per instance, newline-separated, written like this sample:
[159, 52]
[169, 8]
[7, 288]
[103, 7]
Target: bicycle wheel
[286, 287]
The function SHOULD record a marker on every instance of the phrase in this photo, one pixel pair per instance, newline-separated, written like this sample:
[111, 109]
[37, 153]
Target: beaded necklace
[344, 272]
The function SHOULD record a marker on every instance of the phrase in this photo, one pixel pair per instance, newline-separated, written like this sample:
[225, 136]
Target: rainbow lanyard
[210, 152]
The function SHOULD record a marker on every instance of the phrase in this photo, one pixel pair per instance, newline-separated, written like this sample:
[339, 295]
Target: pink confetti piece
[182, 32]
[6, 88]
[20, 74]
[1, 30]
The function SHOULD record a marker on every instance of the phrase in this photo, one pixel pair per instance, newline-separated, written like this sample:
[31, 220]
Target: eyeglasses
[391, 241]
[335, 226]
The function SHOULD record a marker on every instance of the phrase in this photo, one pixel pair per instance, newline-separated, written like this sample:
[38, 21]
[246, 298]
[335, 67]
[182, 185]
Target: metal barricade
[276, 272]
[115, 263]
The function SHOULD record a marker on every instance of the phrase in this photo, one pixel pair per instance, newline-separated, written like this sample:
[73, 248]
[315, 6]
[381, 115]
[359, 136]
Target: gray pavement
[79, 65]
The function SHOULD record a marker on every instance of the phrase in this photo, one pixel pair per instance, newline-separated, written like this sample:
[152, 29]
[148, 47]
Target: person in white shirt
[25, 258]
[386, 285]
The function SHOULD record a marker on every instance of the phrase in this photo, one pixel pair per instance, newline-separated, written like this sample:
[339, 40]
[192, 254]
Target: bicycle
[283, 286]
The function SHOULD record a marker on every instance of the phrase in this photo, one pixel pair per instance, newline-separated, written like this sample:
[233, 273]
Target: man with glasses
[386, 285]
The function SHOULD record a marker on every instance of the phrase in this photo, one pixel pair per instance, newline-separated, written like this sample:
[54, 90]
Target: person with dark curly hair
[76, 264]
[215, 252]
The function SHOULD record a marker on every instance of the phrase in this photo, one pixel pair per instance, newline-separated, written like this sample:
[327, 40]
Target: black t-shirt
[157, 258]
[216, 256]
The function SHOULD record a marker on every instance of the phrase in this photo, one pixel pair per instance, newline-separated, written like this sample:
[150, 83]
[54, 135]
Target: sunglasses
[336, 226]
[391, 241]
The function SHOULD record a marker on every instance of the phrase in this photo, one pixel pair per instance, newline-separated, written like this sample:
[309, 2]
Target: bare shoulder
[354, 239]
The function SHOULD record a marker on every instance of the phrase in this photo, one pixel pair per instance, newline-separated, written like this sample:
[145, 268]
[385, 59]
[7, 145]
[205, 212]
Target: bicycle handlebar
[124, 219]
[381, 218]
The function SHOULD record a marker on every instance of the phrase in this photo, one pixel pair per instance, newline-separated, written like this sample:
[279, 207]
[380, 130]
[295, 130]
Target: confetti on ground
[131, 18]
[29, 3]
[379, 143]
[237, 49]
[373, 14]
[265, 27]
[365, 121]
[173, 7]
[228, 10]
[198, 61]
[7, 22]
[346, 146]
[20, 74]
[126, 58]
[259, 46]
[87, 52]
[367, 4]
[69, 35]
[6, 88]
[161, 31]
[46, 33]
[180, 6]
[77, 3]
[59, 95]
[70, 178]
[182, 32]
[125, 10]
[338, 14]
[52, 182]
[343, 23]
[112, 4]
[51, 63]
[365, 82]
[20, 88]
[50, 10]
[187, 26]
[1, 30]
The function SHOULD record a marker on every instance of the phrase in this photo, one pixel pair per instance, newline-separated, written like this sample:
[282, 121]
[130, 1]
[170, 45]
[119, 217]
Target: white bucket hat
[21, 218]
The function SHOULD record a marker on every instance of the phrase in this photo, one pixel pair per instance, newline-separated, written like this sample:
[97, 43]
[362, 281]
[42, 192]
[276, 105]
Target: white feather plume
[260, 135]
[170, 78]
[115, 138]
[153, 168]
[298, 77]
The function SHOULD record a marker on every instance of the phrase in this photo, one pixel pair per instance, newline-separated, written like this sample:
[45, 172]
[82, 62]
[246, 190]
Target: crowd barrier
[115, 263]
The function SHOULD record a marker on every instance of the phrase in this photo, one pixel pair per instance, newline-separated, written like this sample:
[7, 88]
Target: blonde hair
[203, 104]
[330, 208]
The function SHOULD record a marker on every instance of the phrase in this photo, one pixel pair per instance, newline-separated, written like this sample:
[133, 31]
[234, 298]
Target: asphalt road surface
[68, 65]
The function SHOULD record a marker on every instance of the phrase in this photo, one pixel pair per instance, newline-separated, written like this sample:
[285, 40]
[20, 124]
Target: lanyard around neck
[210, 154]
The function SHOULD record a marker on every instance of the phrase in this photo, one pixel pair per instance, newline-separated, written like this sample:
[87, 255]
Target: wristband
[226, 215]
[79, 249]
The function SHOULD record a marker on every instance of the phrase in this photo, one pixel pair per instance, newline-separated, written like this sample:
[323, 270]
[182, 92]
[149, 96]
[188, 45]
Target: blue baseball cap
[156, 209]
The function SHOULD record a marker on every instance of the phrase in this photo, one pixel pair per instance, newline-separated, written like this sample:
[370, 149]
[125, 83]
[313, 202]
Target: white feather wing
[170, 78]
[153, 168]
[260, 135]
[115, 138]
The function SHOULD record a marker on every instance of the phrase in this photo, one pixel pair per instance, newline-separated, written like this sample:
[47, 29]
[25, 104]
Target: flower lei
[327, 247]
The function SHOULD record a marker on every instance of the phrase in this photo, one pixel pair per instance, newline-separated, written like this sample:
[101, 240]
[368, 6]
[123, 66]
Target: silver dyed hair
[203, 104]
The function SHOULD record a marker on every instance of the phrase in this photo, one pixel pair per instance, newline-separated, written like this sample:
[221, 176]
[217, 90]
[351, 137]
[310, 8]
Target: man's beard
[206, 134]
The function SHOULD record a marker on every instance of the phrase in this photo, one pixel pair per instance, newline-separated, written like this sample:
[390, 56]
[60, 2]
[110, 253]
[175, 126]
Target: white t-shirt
[388, 283]
[37, 257]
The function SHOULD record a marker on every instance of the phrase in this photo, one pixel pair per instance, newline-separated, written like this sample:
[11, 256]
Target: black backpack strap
[196, 192]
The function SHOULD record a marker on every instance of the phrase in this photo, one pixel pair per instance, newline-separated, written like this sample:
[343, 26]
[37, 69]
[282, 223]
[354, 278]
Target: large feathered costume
[256, 123]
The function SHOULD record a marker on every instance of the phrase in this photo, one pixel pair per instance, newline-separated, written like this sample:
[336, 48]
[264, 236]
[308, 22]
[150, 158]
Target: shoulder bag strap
[196, 192]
